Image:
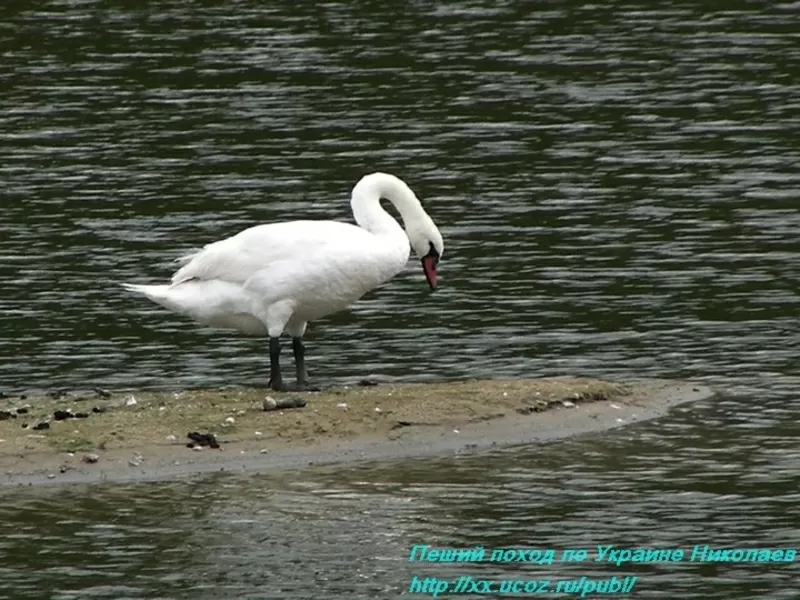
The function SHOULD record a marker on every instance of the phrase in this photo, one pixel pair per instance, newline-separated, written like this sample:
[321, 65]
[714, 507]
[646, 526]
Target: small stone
[99, 409]
[259, 434]
[51, 476]
[341, 405]
[81, 415]
[130, 401]
[5, 415]
[263, 451]
[284, 403]
[456, 431]
[41, 426]
[91, 458]
[614, 406]
[378, 409]
[171, 438]
[134, 463]
[62, 415]
[23, 410]
[230, 420]
[202, 439]
[102, 393]
[196, 447]
[568, 404]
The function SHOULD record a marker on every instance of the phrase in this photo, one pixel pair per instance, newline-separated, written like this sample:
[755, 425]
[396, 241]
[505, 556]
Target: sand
[142, 436]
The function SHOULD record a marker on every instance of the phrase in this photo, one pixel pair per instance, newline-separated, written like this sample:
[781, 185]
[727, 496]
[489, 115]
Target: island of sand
[98, 436]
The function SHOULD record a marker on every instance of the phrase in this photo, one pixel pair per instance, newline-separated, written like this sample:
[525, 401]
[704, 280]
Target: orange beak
[429, 262]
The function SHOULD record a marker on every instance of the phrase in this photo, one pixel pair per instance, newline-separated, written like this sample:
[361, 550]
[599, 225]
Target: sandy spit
[142, 436]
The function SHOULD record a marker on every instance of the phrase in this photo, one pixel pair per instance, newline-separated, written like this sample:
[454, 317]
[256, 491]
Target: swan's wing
[237, 258]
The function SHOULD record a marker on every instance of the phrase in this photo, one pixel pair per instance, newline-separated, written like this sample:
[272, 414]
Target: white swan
[274, 278]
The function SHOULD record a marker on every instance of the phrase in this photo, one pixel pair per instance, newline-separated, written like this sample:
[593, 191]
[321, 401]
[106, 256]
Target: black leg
[300, 363]
[275, 380]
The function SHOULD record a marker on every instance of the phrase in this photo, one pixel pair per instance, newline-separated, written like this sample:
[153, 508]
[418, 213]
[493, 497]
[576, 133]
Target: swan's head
[427, 244]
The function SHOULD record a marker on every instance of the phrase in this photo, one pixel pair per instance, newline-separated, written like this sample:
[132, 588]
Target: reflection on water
[616, 184]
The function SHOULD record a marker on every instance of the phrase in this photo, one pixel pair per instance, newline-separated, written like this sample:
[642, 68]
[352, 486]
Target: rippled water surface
[617, 187]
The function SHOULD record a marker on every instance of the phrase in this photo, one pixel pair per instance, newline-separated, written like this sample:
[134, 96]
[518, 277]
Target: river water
[617, 187]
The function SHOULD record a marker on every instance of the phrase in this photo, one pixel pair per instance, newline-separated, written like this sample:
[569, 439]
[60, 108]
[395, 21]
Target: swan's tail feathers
[151, 291]
[157, 293]
[182, 260]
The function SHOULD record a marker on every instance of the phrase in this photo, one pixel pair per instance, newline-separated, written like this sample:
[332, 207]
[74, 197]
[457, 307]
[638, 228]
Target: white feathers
[279, 276]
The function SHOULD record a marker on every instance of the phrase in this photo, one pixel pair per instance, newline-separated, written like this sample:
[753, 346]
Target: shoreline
[137, 437]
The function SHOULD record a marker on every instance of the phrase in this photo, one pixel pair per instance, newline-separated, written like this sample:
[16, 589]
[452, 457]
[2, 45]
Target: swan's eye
[433, 253]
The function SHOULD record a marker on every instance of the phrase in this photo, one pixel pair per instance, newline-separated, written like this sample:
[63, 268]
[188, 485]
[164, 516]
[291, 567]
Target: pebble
[272, 404]
[202, 439]
[91, 458]
[171, 438]
[341, 405]
[264, 451]
[230, 420]
[102, 393]
[568, 404]
[41, 426]
[5, 415]
[130, 401]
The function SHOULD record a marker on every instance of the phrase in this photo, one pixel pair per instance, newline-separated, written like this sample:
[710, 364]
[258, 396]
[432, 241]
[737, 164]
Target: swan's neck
[367, 209]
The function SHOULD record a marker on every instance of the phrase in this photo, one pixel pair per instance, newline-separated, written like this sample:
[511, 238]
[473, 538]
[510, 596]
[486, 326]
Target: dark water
[617, 187]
